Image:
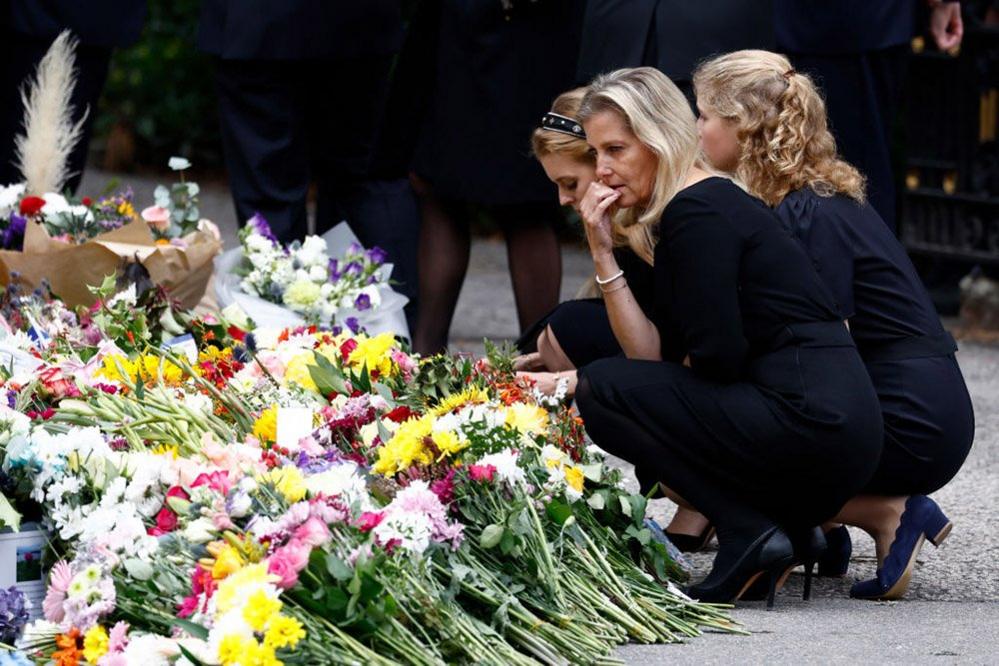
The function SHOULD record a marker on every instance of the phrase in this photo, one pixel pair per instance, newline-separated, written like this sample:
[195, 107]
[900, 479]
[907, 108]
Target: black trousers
[742, 454]
[19, 57]
[287, 124]
[862, 93]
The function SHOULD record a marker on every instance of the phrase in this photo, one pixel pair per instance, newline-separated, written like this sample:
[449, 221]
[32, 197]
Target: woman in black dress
[497, 69]
[774, 425]
[766, 123]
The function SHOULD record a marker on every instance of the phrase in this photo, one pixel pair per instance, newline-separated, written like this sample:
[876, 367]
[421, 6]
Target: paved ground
[951, 614]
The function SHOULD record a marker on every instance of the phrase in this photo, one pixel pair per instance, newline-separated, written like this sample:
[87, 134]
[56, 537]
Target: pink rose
[482, 472]
[312, 533]
[217, 481]
[55, 384]
[157, 217]
[287, 561]
[282, 568]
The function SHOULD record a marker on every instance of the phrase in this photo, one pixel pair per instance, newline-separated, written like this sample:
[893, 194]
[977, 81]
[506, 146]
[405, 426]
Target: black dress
[776, 418]
[928, 418]
[582, 327]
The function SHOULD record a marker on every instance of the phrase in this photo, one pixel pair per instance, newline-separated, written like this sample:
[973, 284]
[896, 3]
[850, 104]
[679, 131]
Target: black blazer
[107, 23]
[300, 29]
[671, 35]
[836, 27]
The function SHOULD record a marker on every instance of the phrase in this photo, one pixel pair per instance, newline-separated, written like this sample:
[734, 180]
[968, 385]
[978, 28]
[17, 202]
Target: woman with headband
[766, 124]
[774, 425]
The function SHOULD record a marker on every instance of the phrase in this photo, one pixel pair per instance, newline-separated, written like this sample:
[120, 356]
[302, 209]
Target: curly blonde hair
[655, 110]
[780, 121]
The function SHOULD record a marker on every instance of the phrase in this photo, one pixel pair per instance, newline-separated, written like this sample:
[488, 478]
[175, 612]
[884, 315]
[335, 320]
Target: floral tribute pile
[309, 496]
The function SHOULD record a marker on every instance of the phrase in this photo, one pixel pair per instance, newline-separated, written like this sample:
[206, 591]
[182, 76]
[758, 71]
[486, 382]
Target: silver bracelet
[608, 280]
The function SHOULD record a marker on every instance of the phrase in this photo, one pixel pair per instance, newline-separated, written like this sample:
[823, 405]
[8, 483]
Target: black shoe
[768, 555]
[835, 562]
[692, 543]
[809, 547]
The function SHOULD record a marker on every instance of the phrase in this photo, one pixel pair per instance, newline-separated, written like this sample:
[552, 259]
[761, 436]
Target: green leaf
[9, 516]
[338, 568]
[385, 392]
[491, 536]
[597, 501]
[192, 628]
[508, 542]
[138, 569]
[593, 472]
[558, 511]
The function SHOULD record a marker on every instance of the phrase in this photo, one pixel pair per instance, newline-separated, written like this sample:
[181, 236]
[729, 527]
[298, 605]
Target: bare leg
[878, 516]
[443, 260]
[687, 520]
[551, 352]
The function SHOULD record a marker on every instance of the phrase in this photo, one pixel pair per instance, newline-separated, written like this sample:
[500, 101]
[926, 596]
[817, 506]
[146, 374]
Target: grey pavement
[951, 611]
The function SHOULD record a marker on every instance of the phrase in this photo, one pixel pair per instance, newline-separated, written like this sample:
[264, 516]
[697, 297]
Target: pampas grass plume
[49, 132]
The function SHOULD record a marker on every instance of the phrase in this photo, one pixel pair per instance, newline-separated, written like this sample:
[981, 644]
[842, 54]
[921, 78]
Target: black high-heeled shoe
[835, 562]
[692, 543]
[768, 556]
[809, 547]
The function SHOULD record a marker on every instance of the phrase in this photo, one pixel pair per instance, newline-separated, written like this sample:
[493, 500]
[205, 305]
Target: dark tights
[532, 251]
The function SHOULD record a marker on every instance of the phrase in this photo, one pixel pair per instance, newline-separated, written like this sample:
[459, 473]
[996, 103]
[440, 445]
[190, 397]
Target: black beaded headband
[563, 124]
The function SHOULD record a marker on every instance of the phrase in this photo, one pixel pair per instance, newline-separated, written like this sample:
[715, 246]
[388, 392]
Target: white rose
[313, 252]
[201, 530]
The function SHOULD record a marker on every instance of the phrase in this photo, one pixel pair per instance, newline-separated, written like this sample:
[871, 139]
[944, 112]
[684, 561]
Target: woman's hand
[547, 383]
[530, 361]
[946, 25]
[595, 211]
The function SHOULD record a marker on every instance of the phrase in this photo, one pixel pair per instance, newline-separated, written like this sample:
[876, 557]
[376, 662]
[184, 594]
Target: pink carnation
[482, 472]
[369, 520]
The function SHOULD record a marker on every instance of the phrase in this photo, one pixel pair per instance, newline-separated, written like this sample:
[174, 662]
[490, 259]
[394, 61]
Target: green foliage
[162, 89]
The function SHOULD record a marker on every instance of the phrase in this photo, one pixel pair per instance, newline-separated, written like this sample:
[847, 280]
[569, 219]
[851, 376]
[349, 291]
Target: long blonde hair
[780, 120]
[655, 110]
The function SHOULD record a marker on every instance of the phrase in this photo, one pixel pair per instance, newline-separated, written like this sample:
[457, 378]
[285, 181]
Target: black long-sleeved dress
[776, 417]
[928, 418]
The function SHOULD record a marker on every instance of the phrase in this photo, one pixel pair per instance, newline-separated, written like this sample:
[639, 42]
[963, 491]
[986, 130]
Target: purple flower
[11, 398]
[13, 235]
[261, 227]
[373, 279]
[362, 302]
[355, 248]
[353, 324]
[13, 614]
[334, 269]
[353, 268]
[376, 255]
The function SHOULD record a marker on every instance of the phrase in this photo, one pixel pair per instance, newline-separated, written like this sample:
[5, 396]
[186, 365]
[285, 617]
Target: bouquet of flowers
[329, 279]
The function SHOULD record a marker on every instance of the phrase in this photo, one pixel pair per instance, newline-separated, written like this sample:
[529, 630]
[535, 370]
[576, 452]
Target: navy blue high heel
[835, 561]
[922, 519]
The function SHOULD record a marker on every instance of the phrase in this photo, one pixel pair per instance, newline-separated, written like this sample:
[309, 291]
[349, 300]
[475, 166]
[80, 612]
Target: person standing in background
[671, 35]
[302, 88]
[29, 28]
[856, 51]
[497, 69]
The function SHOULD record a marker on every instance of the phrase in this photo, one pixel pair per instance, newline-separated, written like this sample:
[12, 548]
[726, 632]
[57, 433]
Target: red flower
[87, 201]
[369, 520]
[31, 205]
[166, 520]
[399, 414]
[347, 347]
[177, 491]
[236, 333]
[482, 472]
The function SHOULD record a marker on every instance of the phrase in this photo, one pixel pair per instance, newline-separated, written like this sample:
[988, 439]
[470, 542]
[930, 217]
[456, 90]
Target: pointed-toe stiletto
[835, 561]
[808, 547]
[692, 543]
[767, 556]
[921, 520]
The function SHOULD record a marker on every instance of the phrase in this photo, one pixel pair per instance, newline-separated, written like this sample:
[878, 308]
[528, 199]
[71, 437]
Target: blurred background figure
[671, 35]
[498, 67]
[856, 51]
[302, 89]
[28, 29]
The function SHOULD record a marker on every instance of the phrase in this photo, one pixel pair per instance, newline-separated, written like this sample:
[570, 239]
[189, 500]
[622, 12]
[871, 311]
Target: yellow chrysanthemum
[167, 450]
[297, 371]
[117, 368]
[373, 353]
[265, 427]
[289, 482]
[283, 631]
[406, 447]
[95, 643]
[154, 368]
[259, 610]
[527, 419]
[449, 443]
[574, 477]
[232, 649]
[470, 396]
[228, 561]
[125, 209]
[234, 586]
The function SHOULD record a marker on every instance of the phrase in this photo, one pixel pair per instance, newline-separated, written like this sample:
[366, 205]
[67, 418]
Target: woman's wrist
[605, 264]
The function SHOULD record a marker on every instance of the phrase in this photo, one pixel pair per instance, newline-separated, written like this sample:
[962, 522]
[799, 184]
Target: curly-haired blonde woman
[773, 424]
[766, 124]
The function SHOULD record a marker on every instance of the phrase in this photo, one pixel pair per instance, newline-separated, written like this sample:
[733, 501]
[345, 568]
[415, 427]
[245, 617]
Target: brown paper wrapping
[185, 271]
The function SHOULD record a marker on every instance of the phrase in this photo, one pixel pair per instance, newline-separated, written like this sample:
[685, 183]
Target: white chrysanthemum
[10, 195]
[412, 531]
[340, 480]
[312, 252]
